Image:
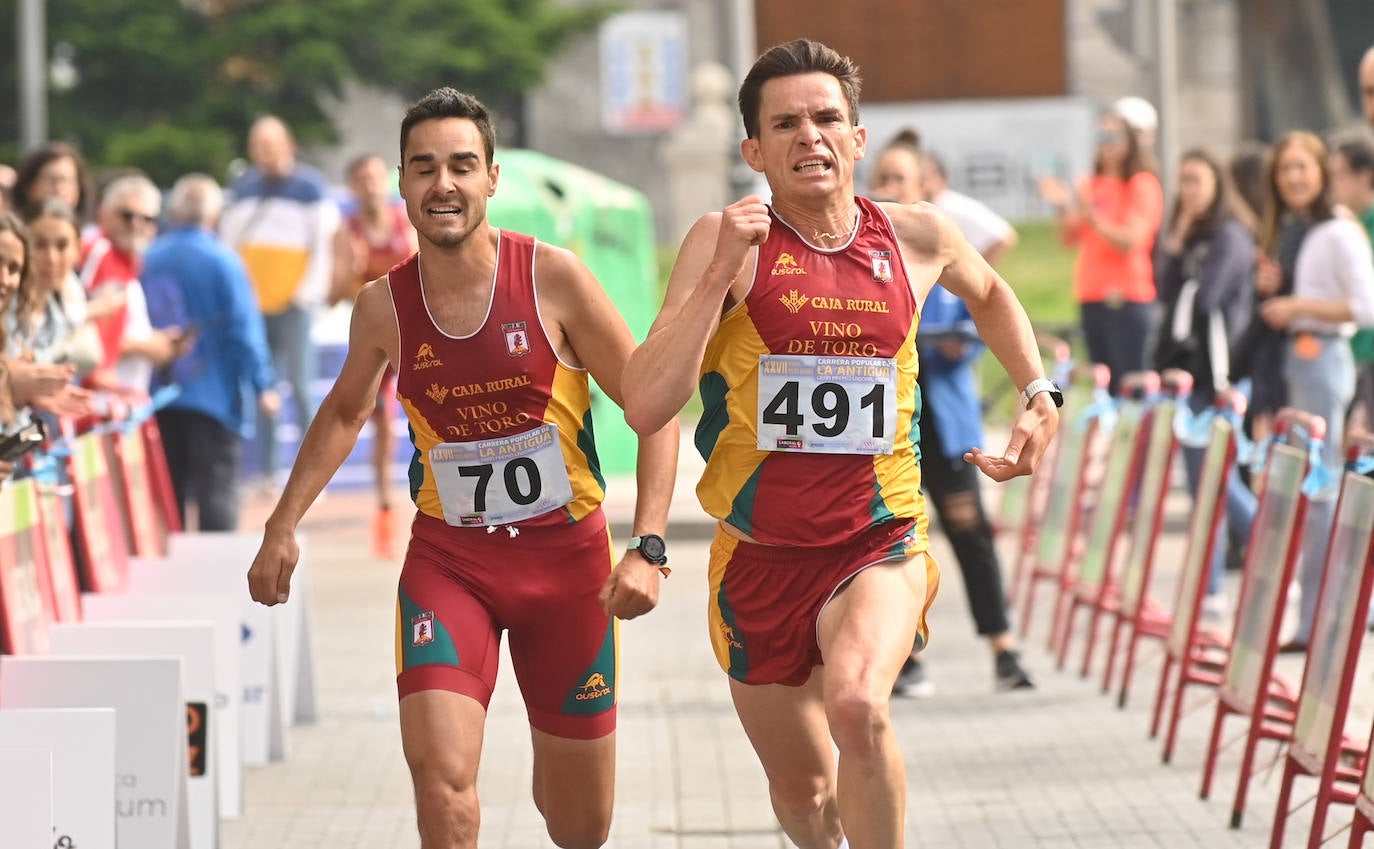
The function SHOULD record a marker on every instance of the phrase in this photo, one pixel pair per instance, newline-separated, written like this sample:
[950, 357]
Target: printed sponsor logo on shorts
[594, 688]
[728, 633]
[422, 629]
[791, 443]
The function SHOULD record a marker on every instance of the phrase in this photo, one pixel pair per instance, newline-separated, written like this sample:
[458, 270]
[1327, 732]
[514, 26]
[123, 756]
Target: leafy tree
[171, 86]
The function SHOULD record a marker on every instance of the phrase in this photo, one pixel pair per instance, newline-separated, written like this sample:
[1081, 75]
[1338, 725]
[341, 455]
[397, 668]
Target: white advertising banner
[150, 732]
[25, 797]
[82, 742]
[193, 643]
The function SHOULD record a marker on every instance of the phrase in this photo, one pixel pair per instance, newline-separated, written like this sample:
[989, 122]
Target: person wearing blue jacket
[194, 282]
[951, 423]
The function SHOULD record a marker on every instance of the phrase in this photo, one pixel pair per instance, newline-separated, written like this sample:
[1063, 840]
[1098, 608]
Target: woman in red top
[1113, 220]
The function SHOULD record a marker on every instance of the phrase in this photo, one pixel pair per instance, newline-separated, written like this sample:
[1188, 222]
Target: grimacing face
[446, 181]
[807, 145]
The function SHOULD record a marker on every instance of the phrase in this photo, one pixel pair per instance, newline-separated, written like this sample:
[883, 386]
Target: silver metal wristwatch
[1042, 384]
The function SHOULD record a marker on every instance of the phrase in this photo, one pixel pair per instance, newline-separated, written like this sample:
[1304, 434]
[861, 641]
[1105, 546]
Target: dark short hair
[1357, 149]
[28, 169]
[801, 56]
[448, 102]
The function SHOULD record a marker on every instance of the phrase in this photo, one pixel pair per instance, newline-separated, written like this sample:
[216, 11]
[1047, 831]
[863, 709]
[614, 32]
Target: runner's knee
[859, 720]
[800, 797]
[445, 804]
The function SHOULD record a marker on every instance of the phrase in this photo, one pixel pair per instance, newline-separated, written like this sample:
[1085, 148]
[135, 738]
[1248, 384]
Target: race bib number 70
[503, 480]
[827, 405]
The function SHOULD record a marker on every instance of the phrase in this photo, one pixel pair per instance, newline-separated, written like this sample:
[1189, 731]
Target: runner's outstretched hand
[631, 589]
[269, 580]
[1030, 436]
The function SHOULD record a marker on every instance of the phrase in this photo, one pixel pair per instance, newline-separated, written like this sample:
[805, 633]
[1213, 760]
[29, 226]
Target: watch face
[652, 547]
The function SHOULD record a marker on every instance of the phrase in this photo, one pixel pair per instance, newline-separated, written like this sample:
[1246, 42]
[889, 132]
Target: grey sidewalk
[1057, 767]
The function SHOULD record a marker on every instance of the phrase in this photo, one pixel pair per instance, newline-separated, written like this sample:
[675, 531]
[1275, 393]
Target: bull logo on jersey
[422, 629]
[517, 339]
[793, 300]
[437, 393]
[594, 688]
[786, 264]
[882, 265]
[424, 358]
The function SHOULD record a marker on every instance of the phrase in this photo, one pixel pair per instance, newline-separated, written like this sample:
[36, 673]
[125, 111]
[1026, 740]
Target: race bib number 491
[500, 481]
[827, 405]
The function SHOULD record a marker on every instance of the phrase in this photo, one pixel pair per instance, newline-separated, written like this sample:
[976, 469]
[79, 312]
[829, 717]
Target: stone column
[698, 155]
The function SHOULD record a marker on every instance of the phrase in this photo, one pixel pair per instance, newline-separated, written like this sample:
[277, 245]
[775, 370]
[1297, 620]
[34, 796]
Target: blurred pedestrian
[1246, 168]
[951, 412]
[55, 169]
[1206, 286]
[376, 236]
[1332, 292]
[50, 323]
[203, 426]
[1113, 217]
[282, 223]
[110, 268]
[989, 233]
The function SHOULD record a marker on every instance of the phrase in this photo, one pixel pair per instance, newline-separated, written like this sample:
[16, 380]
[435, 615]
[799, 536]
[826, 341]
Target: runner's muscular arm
[602, 343]
[662, 373]
[330, 437]
[932, 237]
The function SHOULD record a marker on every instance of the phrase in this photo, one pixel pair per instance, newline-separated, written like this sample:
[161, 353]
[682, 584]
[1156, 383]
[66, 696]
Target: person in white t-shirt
[989, 233]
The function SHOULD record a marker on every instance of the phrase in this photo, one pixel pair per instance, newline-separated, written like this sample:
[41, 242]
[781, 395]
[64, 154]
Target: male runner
[492, 336]
[798, 322]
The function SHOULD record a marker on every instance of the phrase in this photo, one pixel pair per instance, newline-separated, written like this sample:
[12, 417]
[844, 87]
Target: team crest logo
[437, 393]
[424, 358]
[882, 265]
[594, 688]
[786, 264]
[517, 340]
[793, 300]
[422, 629]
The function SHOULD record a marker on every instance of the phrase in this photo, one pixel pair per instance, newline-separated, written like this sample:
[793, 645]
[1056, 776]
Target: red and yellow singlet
[809, 428]
[502, 428]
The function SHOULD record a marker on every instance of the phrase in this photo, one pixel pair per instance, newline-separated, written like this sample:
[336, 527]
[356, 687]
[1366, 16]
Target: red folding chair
[1319, 746]
[1095, 586]
[1135, 609]
[1193, 655]
[1249, 687]
[1057, 534]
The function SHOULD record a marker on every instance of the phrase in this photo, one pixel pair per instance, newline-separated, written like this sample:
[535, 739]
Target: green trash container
[610, 227]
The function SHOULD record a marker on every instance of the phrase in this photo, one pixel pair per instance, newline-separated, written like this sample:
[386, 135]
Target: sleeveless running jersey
[847, 318]
[501, 381]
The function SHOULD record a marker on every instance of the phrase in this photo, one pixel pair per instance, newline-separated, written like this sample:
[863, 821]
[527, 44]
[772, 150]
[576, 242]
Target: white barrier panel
[234, 551]
[150, 732]
[259, 675]
[82, 742]
[100, 607]
[25, 797]
[193, 643]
